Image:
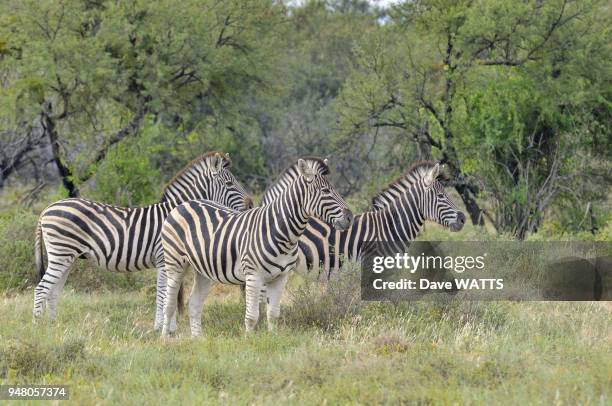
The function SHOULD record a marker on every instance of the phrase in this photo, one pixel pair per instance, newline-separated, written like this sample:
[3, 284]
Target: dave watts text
[426, 284]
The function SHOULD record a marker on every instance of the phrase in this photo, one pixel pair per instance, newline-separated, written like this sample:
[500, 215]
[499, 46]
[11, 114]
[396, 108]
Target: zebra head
[225, 188]
[322, 200]
[209, 177]
[436, 205]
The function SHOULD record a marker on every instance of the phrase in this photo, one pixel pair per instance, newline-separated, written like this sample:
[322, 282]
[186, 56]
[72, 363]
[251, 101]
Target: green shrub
[550, 233]
[127, 177]
[17, 268]
[33, 359]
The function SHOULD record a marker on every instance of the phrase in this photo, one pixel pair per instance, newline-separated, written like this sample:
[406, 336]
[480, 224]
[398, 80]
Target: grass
[331, 349]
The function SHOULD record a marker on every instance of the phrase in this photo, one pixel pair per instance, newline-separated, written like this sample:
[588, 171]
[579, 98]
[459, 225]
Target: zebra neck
[400, 221]
[286, 215]
[171, 201]
[179, 192]
[283, 182]
[175, 199]
[166, 206]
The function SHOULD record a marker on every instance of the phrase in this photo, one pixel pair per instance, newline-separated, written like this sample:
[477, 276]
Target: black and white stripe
[257, 247]
[398, 216]
[286, 178]
[124, 239]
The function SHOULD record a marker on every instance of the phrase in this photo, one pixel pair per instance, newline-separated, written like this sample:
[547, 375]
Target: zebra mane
[196, 164]
[288, 175]
[403, 182]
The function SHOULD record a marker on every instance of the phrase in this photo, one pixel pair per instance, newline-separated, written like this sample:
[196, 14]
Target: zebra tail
[180, 302]
[38, 252]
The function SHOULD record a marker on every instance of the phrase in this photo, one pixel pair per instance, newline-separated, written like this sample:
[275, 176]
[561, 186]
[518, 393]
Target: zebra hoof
[166, 332]
[273, 324]
[37, 315]
[250, 325]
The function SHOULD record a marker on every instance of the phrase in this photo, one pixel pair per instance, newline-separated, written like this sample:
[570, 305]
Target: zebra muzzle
[344, 223]
[459, 222]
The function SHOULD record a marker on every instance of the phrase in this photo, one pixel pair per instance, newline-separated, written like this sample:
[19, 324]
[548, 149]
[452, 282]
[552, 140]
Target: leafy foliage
[127, 177]
[501, 92]
[514, 97]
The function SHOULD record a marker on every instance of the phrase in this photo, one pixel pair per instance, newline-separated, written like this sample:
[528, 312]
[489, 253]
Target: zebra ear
[228, 161]
[217, 164]
[432, 175]
[326, 161]
[304, 170]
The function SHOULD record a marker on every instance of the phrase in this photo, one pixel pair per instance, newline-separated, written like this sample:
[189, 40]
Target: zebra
[398, 215]
[285, 179]
[256, 247]
[124, 239]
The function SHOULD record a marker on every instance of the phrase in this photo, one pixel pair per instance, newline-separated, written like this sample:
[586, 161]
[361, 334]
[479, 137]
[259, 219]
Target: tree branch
[130, 129]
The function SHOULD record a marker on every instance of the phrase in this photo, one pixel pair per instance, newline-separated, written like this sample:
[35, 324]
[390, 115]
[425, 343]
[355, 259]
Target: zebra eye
[325, 190]
[228, 183]
[440, 196]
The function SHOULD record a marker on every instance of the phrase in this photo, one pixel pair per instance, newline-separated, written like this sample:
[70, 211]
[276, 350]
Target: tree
[298, 118]
[90, 72]
[417, 76]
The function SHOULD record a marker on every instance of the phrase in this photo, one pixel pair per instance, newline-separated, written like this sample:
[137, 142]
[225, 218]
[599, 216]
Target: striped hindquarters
[117, 239]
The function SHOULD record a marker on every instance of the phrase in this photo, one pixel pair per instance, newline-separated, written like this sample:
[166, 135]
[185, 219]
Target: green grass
[331, 348]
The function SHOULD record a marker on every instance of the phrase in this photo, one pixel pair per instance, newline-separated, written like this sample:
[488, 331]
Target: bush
[34, 360]
[17, 268]
[127, 177]
[324, 305]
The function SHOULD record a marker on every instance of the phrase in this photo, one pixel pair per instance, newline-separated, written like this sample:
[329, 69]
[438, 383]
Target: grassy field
[331, 349]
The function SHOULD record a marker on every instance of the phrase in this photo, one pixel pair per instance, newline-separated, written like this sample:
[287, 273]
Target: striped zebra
[398, 215]
[285, 179]
[257, 247]
[124, 239]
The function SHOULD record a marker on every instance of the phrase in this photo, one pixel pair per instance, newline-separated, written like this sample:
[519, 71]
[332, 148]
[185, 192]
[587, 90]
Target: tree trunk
[462, 186]
[49, 129]
[471, 205]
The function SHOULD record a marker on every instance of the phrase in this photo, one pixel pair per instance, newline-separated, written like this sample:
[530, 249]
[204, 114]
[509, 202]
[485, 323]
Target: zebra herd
[206, 222]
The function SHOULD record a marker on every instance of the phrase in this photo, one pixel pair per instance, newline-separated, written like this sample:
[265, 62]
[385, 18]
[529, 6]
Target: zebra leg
[174, 275]
[199, 291]
[160, 299]
[254, 287]
[274, 291]
[56, 273]
[53, 296]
